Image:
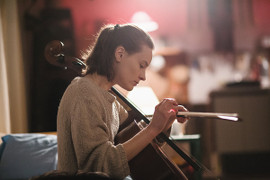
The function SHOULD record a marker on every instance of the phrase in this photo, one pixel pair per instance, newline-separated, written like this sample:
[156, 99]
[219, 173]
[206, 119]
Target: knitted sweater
[87, 122]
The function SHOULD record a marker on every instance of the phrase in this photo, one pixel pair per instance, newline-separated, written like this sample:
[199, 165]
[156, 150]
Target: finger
[181, 108]
[171, 101]
[182, 120]
[172, 111]
[177, 108]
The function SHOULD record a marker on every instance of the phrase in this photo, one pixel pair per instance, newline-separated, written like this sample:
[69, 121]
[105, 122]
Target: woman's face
[130, 68]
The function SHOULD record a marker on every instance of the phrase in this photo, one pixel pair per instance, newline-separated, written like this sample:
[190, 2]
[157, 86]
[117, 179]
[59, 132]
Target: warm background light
[144, 21]
[145, 98]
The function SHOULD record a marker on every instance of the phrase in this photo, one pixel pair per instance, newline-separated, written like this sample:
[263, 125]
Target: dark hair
[100, 58]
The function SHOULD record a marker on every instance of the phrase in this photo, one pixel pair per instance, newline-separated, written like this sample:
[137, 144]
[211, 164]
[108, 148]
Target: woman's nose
[142, 75]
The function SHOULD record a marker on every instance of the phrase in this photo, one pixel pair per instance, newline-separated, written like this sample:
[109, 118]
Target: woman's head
[101, 58]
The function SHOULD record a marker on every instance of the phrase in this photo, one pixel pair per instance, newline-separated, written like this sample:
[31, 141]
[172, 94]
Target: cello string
[129, 103]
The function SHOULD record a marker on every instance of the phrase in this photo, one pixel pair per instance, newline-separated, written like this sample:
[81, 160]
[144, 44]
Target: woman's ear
[119, 53]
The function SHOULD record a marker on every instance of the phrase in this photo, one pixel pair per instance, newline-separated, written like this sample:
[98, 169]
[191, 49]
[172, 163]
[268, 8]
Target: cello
[151, 162]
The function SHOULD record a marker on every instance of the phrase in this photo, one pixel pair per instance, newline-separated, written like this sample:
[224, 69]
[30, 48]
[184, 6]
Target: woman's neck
[101, 81]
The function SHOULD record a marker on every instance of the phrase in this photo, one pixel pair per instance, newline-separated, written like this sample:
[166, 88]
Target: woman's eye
[141, 66]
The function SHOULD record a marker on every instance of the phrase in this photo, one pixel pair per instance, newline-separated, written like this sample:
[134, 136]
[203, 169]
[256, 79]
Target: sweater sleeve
[123, 114]
[91, 138]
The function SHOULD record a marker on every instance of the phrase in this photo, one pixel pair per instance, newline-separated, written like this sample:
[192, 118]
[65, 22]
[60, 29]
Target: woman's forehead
[145, 50]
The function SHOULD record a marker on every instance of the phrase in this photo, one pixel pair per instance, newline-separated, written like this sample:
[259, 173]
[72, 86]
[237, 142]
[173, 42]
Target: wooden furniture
[241, 146]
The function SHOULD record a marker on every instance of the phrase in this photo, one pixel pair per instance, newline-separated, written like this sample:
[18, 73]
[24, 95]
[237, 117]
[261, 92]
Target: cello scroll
[54, 53]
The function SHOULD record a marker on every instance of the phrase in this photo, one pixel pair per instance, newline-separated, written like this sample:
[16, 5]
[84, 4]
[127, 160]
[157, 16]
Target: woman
[89, 115]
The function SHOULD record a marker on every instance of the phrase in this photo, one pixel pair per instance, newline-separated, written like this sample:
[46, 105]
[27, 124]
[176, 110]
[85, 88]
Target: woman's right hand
[165, 114]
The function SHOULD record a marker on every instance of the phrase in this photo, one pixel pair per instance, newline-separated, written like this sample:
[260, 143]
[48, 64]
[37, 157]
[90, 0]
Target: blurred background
[210, 55]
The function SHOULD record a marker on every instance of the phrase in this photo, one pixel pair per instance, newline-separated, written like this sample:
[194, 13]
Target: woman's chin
[127, 88]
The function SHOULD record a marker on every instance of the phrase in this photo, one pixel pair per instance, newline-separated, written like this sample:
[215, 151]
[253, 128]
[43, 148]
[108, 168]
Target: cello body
[151, 163]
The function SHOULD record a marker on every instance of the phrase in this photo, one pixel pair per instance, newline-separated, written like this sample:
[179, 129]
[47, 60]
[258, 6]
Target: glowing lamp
[144, 21]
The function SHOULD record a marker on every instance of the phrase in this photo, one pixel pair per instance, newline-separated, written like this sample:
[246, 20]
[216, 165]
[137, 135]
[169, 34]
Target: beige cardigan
[88, 120]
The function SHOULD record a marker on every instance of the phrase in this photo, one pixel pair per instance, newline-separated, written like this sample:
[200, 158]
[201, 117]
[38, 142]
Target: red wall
[261, 12]
[169, 14]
